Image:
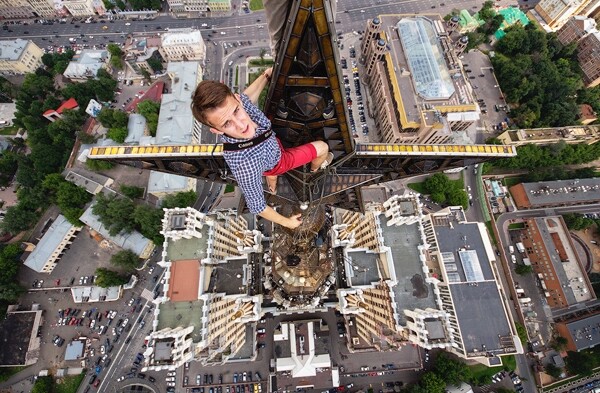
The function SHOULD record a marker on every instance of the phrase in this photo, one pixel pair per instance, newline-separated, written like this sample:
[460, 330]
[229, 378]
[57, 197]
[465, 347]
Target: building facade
[183, 45]
[19, 57]
[188, 8]
[18, 9]
[575, 29]
[588, 55]
[43, 8]
[80, 8]
[553, 14]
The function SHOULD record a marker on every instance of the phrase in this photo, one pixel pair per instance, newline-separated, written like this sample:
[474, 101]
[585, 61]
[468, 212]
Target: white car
[171, 373]
[125, 322]
[170, 379]
[127, 24]
[170, 383]
[223, 32]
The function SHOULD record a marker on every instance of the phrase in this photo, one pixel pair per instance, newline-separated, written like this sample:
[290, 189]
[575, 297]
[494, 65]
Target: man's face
[232, 120]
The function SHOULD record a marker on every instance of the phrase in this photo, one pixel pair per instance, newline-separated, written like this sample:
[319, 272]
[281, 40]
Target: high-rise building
[19, 57]
[416, 85]
[575, 29]
[447, 264]
[182, 45]
[205, 310]
[588, 55]
[553, 14]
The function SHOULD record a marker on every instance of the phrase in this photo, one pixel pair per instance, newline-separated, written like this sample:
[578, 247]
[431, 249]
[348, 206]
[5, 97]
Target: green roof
[511, 16]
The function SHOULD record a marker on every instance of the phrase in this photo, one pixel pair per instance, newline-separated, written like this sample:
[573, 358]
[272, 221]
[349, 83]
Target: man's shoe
[329, 111]
[325, 164]
[282, 110]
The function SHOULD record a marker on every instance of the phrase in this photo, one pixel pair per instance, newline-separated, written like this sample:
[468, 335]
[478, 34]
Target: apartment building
[19, 57]
[413, 74]
[588, 55]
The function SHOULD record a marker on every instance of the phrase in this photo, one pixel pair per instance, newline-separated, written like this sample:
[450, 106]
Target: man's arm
[289, 222]
[253, 91]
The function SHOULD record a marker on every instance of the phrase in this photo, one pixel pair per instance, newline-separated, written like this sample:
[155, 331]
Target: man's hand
[294, 221]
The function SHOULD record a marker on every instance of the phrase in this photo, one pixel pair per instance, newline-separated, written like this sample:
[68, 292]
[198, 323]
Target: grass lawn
[6, 373]
[488, 224]
[479, 370]
[69, 384]
[256, 5]
[516, 225]
[418, 187]
[12, 130]
[261, 63]
[229, 188]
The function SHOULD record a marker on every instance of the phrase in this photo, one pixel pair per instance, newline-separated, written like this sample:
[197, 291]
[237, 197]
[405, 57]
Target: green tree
[149, 109]
[579, 363]
[99, 165]
[457, 197]
[432, 383]
[114, 50]
[181, 199]
[522, 269]
[148, 220]
[11, 291]
[553, 370]
[155, 64]
[112, 118]
[43, 385]
[438, 182]
[126, 259]
[18, 218]
[577, 222]
[146, 74]
[131, 192]
[452, 371]
[114, 213]
[109, 278]
[117, 134]
[559, 343]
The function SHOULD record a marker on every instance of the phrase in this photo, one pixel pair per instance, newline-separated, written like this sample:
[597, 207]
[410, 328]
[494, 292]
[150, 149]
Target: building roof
[159, 182]
[74, 350]
[585, 333]
[48, 244]
[154, 93]
[11, 50]
[411, 291]
[93, 182]
[303, 356]
[7, 111]
[86, 64]
[135, 128]
[133, 241]
[68, 104]
[176, 122]
[586, 112]
[425, 58]
[511, 16]
[554, 193]
[184, 280]
[184, 36]
[466, 254]
[15, 333]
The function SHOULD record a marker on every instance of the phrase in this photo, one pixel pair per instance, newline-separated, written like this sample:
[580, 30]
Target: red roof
[154, 93]
[68, 104]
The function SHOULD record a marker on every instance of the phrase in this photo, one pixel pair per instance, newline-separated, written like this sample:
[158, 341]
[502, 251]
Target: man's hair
[208, 96]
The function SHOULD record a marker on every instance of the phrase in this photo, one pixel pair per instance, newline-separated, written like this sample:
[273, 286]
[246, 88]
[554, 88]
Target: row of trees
[57, 63]
[126, 261]
[555, 155]
[445, 191]
[116, 122]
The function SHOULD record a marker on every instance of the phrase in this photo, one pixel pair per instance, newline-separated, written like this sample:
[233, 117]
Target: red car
[96, 383]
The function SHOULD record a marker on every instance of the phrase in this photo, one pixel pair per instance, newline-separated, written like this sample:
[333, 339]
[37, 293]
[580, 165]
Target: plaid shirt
[248, 165]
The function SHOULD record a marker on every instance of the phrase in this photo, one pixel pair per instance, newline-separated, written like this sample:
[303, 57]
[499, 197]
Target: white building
[183, 45]
[47, 253]
[86, 65]
[80, 7]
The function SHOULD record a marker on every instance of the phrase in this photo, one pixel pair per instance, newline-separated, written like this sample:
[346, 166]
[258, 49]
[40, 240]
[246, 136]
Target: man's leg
[322, 155]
